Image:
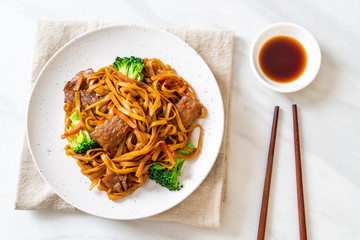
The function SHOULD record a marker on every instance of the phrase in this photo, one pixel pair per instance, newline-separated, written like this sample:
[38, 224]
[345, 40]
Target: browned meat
[88, 97]
[69, 96]
[110, 134]
[115, 181]
[71, 84]
[189, 109]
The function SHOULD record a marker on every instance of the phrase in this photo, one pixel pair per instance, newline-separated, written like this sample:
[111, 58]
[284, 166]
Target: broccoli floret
[131, 67]
[81, 141]
[165, 177]
[122, 65]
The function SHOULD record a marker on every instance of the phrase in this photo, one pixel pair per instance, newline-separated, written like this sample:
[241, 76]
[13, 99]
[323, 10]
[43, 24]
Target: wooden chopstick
[266, 192]
[299, 185]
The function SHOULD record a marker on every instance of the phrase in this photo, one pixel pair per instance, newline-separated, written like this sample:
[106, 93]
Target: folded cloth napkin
[203, 206]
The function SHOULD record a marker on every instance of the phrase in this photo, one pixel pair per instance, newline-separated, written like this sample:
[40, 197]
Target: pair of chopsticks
[266, 192]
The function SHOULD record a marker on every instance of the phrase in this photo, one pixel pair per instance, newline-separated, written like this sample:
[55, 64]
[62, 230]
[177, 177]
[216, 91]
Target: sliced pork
[71, 84]
[88, 97]
[110, 134]
[115, 181]
[189, 109]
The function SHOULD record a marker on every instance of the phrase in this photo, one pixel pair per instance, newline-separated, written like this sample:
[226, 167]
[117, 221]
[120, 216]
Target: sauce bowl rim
[311, 47]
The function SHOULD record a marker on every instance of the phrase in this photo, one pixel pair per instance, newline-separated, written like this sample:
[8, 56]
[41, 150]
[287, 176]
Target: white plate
[95, 49]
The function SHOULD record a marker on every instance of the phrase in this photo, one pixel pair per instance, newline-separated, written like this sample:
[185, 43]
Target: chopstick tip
[294, 107]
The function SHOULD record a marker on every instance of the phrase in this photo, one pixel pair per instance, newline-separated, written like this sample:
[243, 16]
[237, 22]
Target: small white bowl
[305, 38]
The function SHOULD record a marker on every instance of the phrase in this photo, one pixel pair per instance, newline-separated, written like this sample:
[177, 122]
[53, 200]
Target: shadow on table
[321, 88]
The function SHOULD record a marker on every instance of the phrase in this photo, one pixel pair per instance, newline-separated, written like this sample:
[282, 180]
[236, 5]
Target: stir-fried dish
[131, 121]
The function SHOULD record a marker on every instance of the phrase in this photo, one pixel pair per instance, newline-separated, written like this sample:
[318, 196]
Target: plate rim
[98, 29]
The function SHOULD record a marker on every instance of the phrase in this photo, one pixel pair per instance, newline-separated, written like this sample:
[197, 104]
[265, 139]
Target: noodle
[150, 107]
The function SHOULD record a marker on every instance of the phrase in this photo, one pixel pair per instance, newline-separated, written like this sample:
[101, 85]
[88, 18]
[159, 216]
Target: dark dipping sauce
[282, 59]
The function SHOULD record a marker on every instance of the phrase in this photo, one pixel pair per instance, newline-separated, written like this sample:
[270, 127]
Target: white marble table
[329, 114]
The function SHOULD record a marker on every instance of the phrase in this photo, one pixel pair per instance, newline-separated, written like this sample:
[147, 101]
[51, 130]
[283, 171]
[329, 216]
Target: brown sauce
[282, 59]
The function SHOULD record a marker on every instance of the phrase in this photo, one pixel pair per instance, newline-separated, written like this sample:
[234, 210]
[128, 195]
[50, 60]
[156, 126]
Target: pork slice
[189, 109]
[88, 97]
[85, 97]
[71, 84]
[110, 134]
[115, 181]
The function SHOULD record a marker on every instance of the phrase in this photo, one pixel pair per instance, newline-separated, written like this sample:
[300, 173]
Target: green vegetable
[182, 151]
[189, 145]
[131, 67]
[165, 177]
[81, 141]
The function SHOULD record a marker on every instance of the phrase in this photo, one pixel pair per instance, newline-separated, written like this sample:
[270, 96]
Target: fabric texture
[203, 207]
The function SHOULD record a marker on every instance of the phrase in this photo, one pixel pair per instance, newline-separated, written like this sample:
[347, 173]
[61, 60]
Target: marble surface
[329, 115]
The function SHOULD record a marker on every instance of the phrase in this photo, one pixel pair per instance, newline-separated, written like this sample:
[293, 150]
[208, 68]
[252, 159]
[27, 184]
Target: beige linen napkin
[201, 208]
